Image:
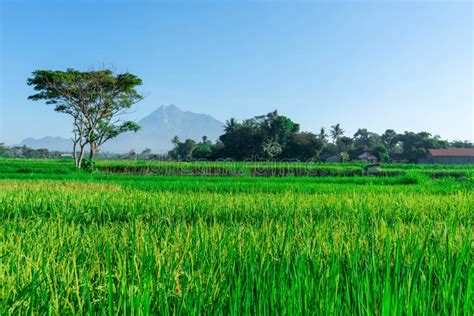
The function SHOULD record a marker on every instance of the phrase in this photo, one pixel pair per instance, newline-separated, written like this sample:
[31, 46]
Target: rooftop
[366, 154]
[452, 152]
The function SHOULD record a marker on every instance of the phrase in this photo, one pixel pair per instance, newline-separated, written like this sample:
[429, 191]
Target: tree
[365, 141]
[327, 151]
[323, 136]
[132, 154]
[389, 138]
[175, 141]
[94, 99]
[4, 152]
[344, 156]
[243, 141]
[204, 149]
[282, 128]
[381, 153]
[264, 135]
[271, 148]
[390, 141]
[345, 144]
[187, 148]
[336, 133]
[461, 144]
[146, 153]
[106, 130]
[230, 125]
[415, 145]
[183, 150]
[303, 146]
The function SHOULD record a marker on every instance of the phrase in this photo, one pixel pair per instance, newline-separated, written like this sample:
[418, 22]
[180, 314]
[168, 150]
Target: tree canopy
[94, 99]
[273, 136]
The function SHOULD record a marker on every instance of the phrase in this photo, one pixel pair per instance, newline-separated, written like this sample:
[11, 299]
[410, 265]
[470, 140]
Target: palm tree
[336, 133]
[175, 141]
[230, 125]
[322, 135]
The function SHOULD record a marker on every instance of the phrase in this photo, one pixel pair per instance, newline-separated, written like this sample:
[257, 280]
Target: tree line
[26, 152]
[96, 99]
[274, 136]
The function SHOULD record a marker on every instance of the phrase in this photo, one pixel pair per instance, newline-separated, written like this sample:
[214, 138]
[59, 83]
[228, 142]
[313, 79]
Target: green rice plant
[229, 168]
[122, 244]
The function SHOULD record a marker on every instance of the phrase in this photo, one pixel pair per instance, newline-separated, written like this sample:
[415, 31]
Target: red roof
[452, 152]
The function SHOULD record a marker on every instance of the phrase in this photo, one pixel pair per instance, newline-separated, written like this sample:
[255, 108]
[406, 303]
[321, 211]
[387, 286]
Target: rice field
[114, 243]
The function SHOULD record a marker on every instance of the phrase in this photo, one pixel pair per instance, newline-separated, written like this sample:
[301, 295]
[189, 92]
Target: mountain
[157, 130]
[48, 142]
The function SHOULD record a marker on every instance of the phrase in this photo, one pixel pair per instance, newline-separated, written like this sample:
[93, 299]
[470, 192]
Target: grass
[75, 243]
[233, 169]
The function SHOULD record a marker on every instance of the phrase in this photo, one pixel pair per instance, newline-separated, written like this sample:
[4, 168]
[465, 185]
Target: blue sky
[401, 65]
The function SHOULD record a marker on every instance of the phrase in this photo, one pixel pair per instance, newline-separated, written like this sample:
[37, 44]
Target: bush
[88, 165]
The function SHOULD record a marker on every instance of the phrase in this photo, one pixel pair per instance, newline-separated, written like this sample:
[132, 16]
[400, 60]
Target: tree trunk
[81, 156]
[74, 154]
[92, 151]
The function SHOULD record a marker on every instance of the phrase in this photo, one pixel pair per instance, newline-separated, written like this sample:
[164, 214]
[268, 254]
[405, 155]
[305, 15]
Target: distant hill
[48, 142]
[157, 130]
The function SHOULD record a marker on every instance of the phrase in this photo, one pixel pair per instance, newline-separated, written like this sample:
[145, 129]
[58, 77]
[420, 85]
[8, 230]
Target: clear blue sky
[401, 65]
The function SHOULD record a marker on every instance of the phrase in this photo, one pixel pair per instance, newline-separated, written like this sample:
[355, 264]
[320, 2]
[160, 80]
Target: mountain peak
[163, 110]
[169, 107]
[167, 121]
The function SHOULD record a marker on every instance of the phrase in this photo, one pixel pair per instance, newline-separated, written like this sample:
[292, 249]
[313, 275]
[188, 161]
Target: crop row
[94, 247]
[262, 169]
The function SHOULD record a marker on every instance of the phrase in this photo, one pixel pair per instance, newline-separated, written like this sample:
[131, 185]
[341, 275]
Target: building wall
[452, 160]
[427, 159]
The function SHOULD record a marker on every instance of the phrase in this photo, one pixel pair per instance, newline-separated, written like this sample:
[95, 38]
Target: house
[450, 156]
[368, 157]
[66, 156]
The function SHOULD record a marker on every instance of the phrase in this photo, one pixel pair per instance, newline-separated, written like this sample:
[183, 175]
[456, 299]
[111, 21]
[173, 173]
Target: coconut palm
[322, 135]
[175, 141]
[336, 134]
[230, 124]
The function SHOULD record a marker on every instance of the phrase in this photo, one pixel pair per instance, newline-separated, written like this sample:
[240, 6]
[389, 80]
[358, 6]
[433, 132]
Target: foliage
[94, 99]
[336, 133]
[381, 153]
[204, 150]
[273, 136]
[303, 146]
[344, 156]
[88, 165]
[183, 150]
[26, 152]
[258, 137]
[416, 145]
